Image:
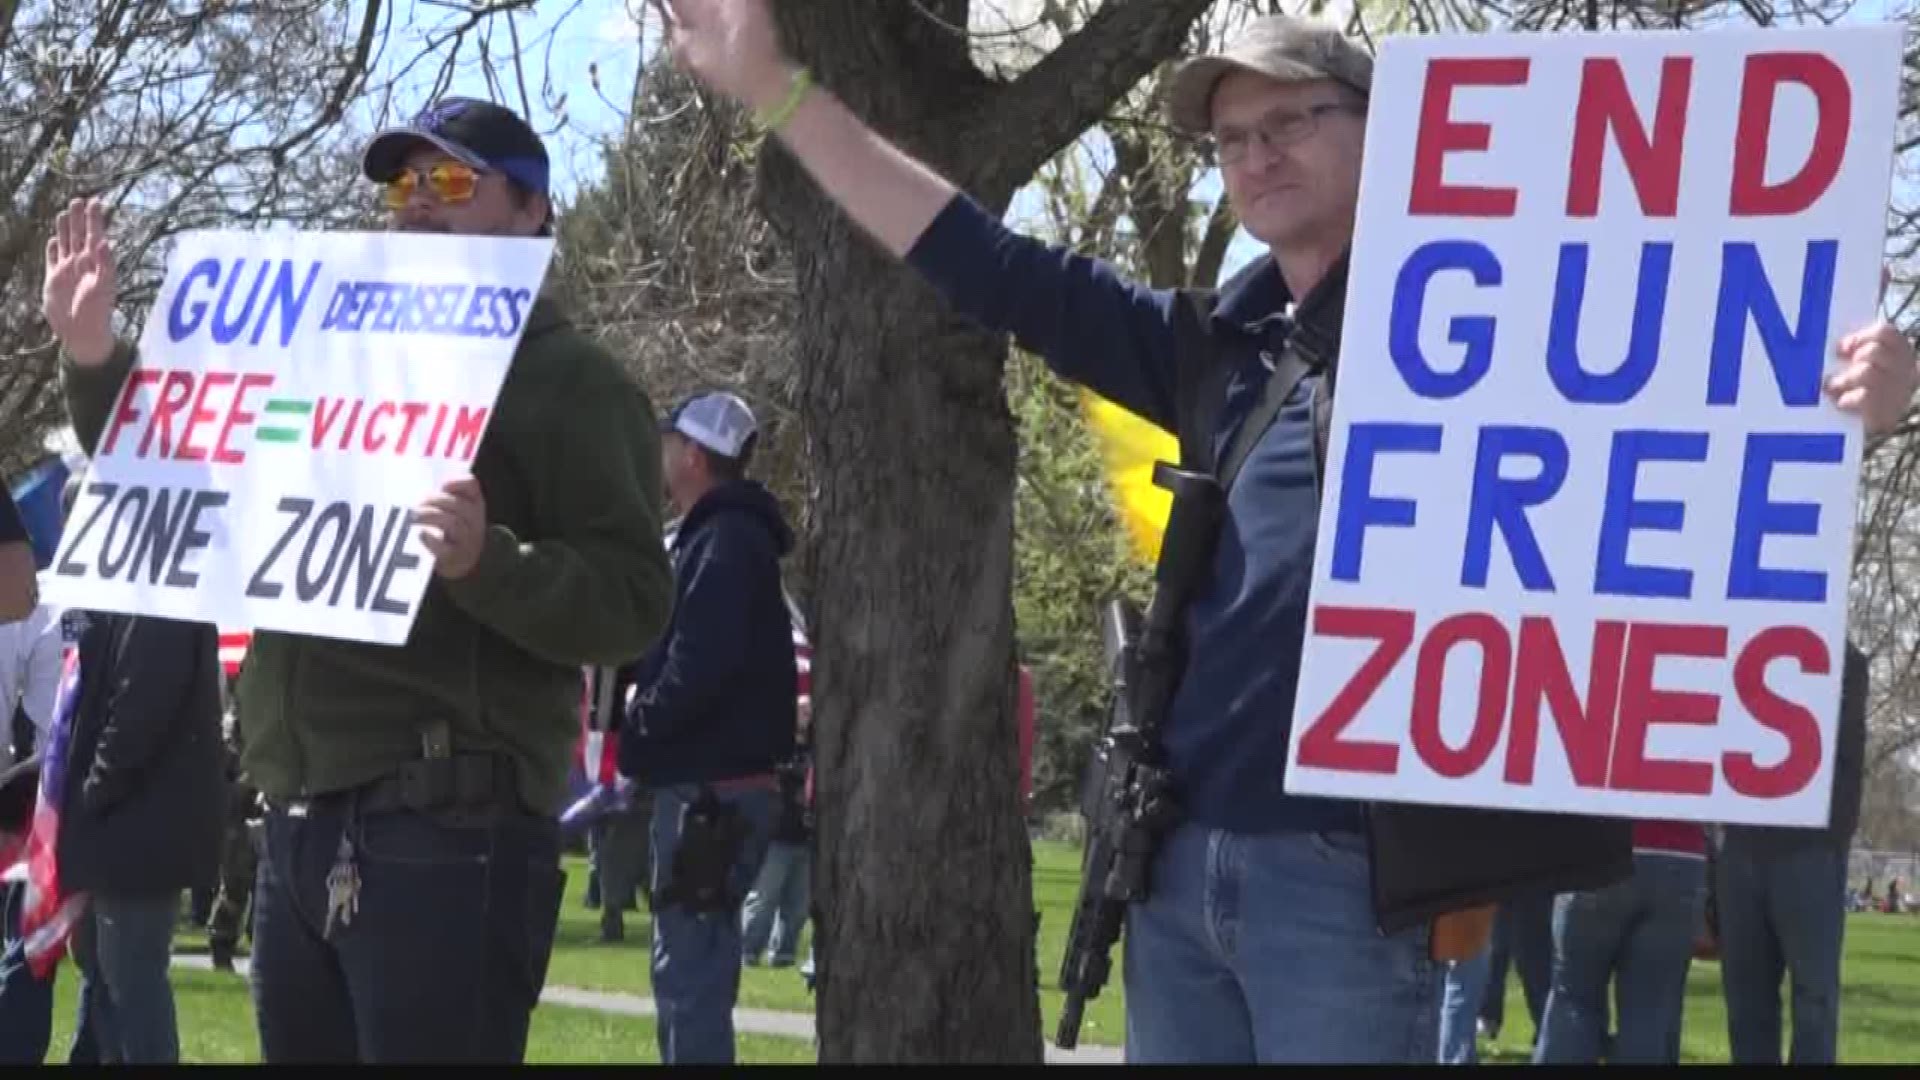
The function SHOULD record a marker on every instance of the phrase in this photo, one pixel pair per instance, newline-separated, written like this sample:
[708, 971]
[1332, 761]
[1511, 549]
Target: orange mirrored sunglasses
[450, 182]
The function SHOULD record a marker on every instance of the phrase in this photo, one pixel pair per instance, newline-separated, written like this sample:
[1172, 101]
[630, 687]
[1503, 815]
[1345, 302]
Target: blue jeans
[777, 906]
[1522, 939]
[443, 961]
[1637, 936]
[123, 946]
[1465, 985]
[26, 1003]
[696, 957]
[1263, 948]
[1781, 912]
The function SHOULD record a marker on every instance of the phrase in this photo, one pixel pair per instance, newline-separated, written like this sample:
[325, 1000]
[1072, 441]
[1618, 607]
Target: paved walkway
[790, 1025]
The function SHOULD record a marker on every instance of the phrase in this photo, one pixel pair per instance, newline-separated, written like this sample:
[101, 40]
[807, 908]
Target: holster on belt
[712, 835]
[1460, 935]
[441, 781]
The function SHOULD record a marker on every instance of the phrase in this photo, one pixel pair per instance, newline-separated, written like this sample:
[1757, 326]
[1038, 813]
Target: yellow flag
[1130, 446]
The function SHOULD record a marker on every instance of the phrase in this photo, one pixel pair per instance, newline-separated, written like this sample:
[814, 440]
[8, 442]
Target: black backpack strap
[1287, 373]
[1200, 380]
[1201, 391]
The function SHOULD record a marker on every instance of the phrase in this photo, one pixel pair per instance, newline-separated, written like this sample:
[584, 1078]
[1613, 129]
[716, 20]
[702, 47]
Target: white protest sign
[1588, 514]
[296, 397]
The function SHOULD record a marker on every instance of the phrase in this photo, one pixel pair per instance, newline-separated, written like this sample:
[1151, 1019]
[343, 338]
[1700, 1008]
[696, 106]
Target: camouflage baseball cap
[1279, 47]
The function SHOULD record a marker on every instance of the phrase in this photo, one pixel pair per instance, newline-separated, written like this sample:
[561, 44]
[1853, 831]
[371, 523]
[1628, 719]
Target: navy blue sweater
[1227, 732]
[716, 698]
[12, 529]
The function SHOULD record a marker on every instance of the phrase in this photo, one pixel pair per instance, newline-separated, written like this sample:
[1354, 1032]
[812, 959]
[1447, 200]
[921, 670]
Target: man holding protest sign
[410, 880]
[1260, 938]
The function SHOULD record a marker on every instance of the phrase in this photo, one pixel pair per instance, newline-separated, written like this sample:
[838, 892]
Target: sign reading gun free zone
[296, 396]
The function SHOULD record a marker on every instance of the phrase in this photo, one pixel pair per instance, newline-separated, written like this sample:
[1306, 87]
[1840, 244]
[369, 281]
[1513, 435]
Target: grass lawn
[579, 959]
[1879, 1001]
[1880, 1012]
[216, 1025]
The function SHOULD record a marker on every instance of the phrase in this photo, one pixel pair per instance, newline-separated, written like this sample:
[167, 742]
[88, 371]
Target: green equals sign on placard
[285, 421]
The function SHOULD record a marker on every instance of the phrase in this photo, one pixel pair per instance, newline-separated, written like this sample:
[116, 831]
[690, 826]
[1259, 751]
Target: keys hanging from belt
[343, 885]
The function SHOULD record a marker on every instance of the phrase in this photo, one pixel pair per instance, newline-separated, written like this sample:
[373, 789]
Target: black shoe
[222, 956]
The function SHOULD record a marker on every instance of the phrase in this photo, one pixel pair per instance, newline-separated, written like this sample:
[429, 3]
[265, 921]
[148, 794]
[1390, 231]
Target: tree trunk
[923, 874]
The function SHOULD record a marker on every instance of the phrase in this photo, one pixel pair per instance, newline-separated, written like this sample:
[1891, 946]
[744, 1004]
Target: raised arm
[1091, 324]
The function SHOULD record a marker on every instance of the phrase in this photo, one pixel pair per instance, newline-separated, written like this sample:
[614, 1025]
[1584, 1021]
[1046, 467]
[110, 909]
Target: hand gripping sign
[296, 396]
[1588, 516]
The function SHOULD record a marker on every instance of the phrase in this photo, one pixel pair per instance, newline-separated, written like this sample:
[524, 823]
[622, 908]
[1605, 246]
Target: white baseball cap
[715, 419]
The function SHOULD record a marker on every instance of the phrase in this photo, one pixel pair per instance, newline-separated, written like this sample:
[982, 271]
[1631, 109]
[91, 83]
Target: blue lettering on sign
[1643, 344]
[1622, 514]
[1501, 503]
[1473, 332]
[1797, 354]
[275, 295]
[1359, 508]
[459, 310]
[1758, 517]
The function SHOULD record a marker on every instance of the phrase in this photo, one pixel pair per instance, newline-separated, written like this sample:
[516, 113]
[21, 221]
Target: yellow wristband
[783, 112]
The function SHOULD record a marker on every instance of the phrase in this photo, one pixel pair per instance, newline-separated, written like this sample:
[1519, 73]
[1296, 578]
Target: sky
[568, 42]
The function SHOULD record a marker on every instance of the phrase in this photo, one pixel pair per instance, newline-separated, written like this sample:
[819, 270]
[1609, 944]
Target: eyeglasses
[1275, 130]
[450, 182]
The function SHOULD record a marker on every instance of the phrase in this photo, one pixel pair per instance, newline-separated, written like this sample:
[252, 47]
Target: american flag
[803, 659]
[233, 649]
[48, 917]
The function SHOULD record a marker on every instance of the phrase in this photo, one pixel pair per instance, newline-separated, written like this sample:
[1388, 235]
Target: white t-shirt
[30, 655]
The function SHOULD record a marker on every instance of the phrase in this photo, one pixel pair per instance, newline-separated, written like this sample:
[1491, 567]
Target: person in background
[1522, 942]
[618, 843]
[712, 719]
[1463, 987]
[776, 909]
[30, 651]
[140, 816]
[19, 585]
[1781, 909]
[1635, 939]
[232, 903]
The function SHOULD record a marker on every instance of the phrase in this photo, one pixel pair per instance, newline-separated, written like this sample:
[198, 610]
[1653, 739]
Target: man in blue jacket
[712, 717]
[1258, 940]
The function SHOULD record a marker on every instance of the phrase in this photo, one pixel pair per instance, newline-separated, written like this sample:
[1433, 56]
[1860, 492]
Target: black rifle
[1129, 802]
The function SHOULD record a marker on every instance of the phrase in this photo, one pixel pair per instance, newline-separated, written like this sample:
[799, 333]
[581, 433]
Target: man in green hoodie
[410, 879]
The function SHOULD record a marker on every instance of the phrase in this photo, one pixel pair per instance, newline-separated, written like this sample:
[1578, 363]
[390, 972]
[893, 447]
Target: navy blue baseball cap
[487, 136]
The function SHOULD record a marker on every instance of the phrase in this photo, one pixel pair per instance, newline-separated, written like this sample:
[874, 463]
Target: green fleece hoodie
[573, 574]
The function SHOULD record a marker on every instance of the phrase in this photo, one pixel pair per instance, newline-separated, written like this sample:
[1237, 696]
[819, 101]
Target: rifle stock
[1131, 804]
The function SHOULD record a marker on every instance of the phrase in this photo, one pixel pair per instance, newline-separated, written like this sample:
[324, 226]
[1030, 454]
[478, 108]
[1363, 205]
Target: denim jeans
[445, 958]
[1522, 939]
[696, 957]
[1636, 936]
[776, 909]
[1781, 913]
[1263, 948]
[123, 946]
[1465, 984]
[26, 1003]
[617, 850]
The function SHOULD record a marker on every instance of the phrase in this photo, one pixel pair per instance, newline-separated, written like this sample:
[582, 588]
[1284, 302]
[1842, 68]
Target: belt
[458, 782]
[737, 784]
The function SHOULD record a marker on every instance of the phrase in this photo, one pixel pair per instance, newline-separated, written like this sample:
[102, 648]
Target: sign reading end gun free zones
[1588, 514]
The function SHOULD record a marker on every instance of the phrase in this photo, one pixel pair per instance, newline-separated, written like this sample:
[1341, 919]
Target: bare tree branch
[1073, 87]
